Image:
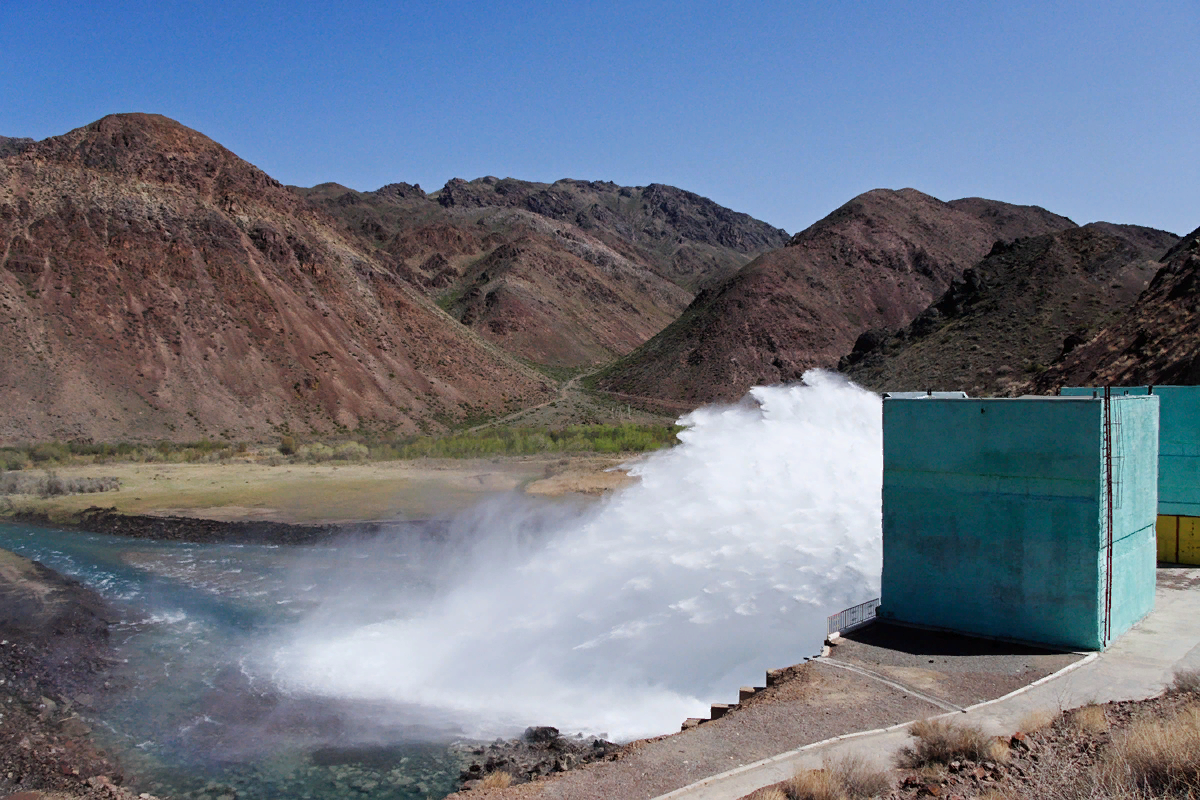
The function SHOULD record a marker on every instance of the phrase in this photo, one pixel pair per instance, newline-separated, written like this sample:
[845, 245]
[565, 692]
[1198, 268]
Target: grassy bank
[485, 443]
[334, 491]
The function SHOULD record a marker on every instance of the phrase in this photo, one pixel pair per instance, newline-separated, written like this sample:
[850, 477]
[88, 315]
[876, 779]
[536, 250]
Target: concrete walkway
[1139, 665]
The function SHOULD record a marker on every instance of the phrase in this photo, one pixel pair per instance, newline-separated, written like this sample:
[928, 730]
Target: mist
[626, 615]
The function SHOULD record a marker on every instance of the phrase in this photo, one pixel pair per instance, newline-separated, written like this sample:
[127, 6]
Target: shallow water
[194, 716]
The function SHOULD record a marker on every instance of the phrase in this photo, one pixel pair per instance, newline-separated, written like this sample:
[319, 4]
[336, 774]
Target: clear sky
[781, 110]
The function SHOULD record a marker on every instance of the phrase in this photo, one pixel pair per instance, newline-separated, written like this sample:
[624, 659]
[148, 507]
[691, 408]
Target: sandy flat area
[328, 493]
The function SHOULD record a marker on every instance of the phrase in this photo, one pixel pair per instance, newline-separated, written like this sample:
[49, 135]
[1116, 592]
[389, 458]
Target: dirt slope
[877, 261]
[1157, 341]
[567, 274]
[153, 284]
[1014, 312]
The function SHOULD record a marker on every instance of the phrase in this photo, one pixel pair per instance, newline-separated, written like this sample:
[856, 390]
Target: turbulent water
[626, 618]
[346, 668]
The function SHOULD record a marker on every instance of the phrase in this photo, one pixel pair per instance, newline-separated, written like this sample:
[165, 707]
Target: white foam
[721, 562]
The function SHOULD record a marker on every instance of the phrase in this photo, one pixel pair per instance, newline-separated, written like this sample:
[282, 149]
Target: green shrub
[612, 439]
[49, 451]
[287, 445]
[351, 451]
[12, 458]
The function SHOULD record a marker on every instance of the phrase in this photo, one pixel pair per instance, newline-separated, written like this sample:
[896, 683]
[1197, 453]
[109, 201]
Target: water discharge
[627, 616]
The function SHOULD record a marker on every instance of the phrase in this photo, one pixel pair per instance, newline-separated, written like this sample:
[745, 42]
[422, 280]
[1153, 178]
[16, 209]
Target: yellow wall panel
[1189, 540]
[1167, 529]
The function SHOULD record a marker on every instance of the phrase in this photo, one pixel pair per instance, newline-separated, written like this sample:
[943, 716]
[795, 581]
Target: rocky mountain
[877, 261]
[682, 235]
[573, 273]
[153, 284]
[1015, 312]
[10, 146]
[1156, 341]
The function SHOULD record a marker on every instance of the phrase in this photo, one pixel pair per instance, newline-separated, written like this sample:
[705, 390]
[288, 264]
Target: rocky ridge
[878, 261]
[1015, 312]
[573, 273]
[1156, 342]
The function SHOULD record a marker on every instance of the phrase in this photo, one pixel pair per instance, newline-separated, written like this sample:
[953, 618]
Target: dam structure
[1178, 467]
[1026, 519]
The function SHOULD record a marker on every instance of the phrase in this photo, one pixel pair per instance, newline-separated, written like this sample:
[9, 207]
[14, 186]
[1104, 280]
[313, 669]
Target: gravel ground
[959, 669]
[812, 702]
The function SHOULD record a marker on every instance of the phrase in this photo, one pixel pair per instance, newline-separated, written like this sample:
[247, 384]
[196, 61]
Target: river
[194, 713]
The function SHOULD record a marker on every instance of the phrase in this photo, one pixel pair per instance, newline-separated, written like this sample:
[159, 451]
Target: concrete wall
[993, 517]
[1178, 444]
[1135, 505]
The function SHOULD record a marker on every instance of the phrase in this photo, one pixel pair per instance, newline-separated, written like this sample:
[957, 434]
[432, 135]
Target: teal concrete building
[1178, 443]
[1178, 467]
[996, 516]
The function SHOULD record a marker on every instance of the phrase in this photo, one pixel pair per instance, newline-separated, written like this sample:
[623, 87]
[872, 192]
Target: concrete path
[1139, 665]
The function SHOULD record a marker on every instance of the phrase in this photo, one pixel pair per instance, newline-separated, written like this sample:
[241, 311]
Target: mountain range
[154, 285]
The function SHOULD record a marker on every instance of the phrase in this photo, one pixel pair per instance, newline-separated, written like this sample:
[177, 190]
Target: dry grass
[859, 777]
[299, 493]
[769, 793]
[1089, 719]
[849, 777]
[1187, 682]
[1038, 720]
[815, 784]
[1159, 758]
[496, 780]
[939, 741]
[50, 484]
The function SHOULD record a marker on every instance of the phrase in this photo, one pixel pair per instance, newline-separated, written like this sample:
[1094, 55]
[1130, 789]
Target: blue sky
[781, 110]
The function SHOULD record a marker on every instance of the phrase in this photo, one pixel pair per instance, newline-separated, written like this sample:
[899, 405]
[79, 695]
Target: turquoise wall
[1178, 445]
[992, 517]
[1135, 508]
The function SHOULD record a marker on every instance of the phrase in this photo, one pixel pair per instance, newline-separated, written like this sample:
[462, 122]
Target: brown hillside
[1157, 341]
[687, 238]
[153, 284]
[10, 146]
[566, 274]
[877, 261]
[1014, 312]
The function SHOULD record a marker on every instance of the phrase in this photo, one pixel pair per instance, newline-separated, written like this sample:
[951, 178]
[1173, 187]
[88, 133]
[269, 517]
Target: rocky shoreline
[540, 751]
[54, 659]
[189, 529]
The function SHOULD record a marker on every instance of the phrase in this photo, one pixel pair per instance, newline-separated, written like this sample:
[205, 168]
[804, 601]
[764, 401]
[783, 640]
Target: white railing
[853, 617]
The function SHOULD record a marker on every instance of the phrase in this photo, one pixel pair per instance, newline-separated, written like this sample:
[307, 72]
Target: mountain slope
[1014, 312]
[1157, 341]
[573, 273]
[153, 284]
[877, 261]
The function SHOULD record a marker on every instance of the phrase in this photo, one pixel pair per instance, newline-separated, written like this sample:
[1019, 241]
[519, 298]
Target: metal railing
[853, 617]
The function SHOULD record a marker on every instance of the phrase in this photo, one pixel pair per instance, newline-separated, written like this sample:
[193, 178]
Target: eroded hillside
[1015, 312]
[153, 284]
[877, 261]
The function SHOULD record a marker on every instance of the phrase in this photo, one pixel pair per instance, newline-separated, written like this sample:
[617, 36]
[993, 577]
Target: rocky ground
[1079, 754]
[540, 751]
[187, 529]
[54, 655]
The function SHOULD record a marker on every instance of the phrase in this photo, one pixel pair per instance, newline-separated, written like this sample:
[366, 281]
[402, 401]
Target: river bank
[182, 529]
[249, 491]
[54, 662]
